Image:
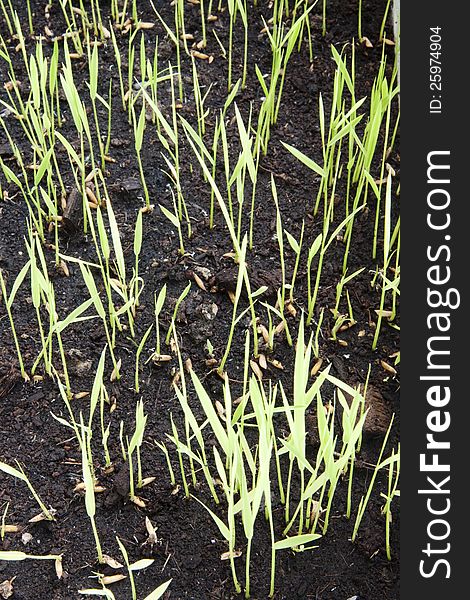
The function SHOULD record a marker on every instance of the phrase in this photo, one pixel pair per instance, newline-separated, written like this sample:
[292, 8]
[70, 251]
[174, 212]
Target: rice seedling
[105, 431]
[143, 563]
[95, 397]
[359, 22]
[384, 20]
[137, 357]
[180, 449]
[180, 25]
[387, 256]
[321, 245]
[134, 446]
[365, 499]
[174, 37]
[8, 302]
[164, 449]
[103, 251]
[235, 7]
[171, 145]
[199, 100]
[280, 241]
[3, 527]
[159, 301]
[93, 66]
[199, 153]
[238, 290]
[40, 288]
[245, 163]
[7, 11]
[122, 287]
[392, 492]
[15, 555]
[345, 279]
[227, 531]
[118, 59]
[182, 296]
[297, 248]
[316, 343]
[98, 304]
[139, 127]
[21, 475]
[192, 428]
[269, 333]
[89, 482]
[175, 221]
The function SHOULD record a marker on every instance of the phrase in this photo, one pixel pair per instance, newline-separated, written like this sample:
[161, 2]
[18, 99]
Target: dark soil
[189, 544]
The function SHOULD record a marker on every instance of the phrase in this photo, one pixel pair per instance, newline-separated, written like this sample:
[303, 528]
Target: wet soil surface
[189, 545]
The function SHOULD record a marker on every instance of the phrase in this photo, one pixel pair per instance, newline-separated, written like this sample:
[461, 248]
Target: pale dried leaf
[145, 25]
[388, 367]
[386, 314]
[291, 309]
[256, 370]
[200, 55]
[143, 563]
[159, 358]
[42, 516]
[6, 588]
[199, 282]
[138, 502]
[264, 332]
[80, 487]
[110, 579]
[276, 363]
[111, 562]
[315, 510]
[262, 361]
[152, 538]
[10, 528]
[58, 567]
[220, 410]
[228, 555]
[115, 373]
[316, 367]
[64, 268]
[147, 481]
